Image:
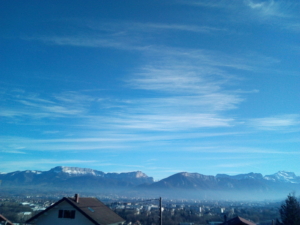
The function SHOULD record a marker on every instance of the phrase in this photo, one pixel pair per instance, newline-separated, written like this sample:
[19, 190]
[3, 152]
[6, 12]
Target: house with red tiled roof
[77, 211]
[238, 221]
[3, 220]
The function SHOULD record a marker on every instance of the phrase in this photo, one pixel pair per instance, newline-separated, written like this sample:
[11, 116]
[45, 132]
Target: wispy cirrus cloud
[139, 37]
[209, 3]
[197, 84]
[42, 163]
[280, 122]
[281, 13]
[193, 83]
[193, 87]
[130, 36]
[271, 8]
[113, 142]
[34, 106]
[124, 28]
[209, 103]
[211, 148]
[172, 122]
[181, 27]
[46, 164]
[54, 145]
[168, 78]
[88, 41]
[195, 91]
[238, 165]
[13, 151]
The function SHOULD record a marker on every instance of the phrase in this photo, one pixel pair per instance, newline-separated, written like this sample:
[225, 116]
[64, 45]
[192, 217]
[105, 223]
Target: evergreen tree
[290, 211]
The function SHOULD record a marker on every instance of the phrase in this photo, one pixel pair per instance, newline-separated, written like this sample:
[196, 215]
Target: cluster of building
[200, 208]
[82, 210]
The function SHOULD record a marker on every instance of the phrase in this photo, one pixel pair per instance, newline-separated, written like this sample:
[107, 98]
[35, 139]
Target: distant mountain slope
[195, 181]
[186, 180]
[256, 176]
[138, 183]
[283, 176]
[74, 176]
[243, 186]
[280, 176]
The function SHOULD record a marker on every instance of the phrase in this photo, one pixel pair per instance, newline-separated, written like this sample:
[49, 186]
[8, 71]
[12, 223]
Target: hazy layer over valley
[251, 186]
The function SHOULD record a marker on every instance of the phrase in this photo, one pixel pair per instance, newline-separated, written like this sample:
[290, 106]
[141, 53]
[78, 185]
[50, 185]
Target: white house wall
[51, 217]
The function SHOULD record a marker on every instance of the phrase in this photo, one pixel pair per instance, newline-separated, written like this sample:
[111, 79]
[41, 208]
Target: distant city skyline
[161, 87]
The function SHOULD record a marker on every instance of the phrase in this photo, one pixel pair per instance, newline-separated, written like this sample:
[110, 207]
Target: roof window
[91, 209]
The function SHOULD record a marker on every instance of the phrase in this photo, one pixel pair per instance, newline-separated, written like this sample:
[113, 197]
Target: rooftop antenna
[160, 211]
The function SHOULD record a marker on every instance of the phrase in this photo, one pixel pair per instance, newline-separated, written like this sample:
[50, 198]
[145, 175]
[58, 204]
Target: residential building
[77, 211]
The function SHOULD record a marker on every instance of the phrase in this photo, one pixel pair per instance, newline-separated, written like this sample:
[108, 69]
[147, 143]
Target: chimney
[76, 198]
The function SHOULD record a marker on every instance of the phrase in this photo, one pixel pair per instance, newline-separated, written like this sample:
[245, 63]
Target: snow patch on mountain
[33, 171]
[140, 174]
[251, 176]
[283, 176]
[76, 171]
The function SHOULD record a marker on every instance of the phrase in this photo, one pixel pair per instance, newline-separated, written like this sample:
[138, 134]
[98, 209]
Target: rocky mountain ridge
[280, 176]
[251, 186]
[136, 183]
[74, 176]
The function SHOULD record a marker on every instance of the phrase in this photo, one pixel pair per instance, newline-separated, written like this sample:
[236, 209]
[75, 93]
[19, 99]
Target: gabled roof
[2, 218]
[91, 208]
[238, 221]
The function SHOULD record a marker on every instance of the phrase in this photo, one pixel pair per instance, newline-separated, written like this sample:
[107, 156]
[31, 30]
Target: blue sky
[157, 86]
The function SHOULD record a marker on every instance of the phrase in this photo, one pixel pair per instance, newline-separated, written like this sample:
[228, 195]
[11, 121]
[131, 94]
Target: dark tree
[290, 211]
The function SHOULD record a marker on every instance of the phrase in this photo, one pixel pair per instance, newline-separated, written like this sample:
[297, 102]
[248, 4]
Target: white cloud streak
[277, 122]
[211, 148]
[283, 14]
[42, 164]
[193, 83]
[121, 28]
[29, 105]
[172, 122]
[270, 8]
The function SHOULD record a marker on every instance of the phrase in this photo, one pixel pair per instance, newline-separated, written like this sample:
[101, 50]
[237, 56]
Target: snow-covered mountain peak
[140, 174]
[73, 170]
[33, 171]
[283, 176]
[76, 172]
[247, 176]
[195, 175]
[185, 174]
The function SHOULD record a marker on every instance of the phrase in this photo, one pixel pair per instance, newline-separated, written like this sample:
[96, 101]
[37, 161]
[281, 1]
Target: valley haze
[250, 186]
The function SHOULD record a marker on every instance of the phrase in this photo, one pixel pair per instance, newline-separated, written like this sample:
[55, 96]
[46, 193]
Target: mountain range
[191, 185]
